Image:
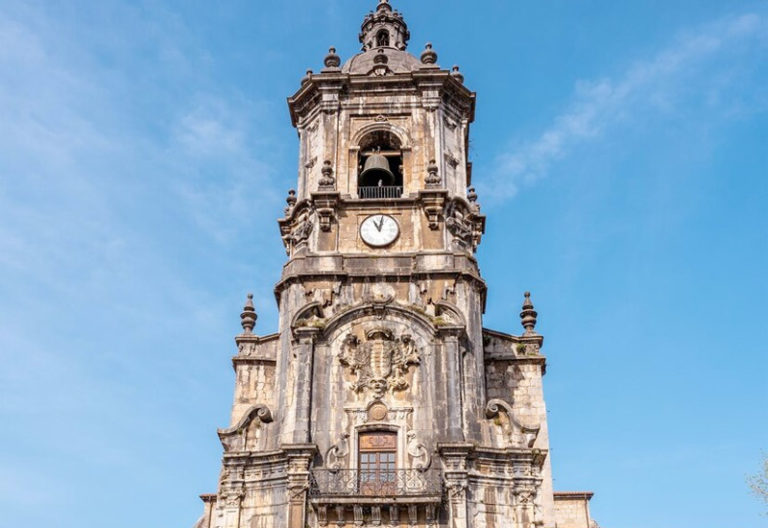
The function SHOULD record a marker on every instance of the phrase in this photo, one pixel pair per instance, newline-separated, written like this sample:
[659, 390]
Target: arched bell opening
[381, 166]
[382, 39]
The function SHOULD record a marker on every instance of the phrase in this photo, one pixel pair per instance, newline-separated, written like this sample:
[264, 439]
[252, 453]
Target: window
[382, 38]
[378, 454]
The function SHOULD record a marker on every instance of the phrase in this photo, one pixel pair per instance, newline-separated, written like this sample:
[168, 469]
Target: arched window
[382, 38]
[376, 462]
[380, 166]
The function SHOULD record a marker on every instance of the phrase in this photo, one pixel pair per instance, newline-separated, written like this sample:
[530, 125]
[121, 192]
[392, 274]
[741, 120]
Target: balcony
[328, 485]
[380, 192]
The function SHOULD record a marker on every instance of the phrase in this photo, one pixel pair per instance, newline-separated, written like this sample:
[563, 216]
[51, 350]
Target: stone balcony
[376, 497]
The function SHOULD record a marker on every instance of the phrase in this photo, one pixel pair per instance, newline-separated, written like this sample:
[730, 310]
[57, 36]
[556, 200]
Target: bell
[376, 172]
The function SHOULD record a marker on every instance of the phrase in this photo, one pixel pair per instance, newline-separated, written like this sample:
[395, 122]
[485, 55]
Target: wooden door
[377, 459]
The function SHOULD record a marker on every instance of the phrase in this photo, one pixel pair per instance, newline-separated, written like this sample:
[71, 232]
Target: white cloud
[652, 85]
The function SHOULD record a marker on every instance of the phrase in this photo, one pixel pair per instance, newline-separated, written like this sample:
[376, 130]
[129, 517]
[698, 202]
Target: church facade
[382, 400]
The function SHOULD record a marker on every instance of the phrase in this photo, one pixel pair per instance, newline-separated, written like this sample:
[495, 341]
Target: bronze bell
[376, 172]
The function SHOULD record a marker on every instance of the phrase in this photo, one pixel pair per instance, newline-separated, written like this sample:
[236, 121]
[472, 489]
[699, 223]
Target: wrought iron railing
[382, 483]
[369, 193]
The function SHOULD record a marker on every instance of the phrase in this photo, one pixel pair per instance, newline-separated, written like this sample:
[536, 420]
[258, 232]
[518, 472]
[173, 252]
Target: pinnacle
[248, 316]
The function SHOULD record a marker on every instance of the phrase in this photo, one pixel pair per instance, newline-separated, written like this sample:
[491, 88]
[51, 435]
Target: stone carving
[519, 435]
[327, 181]
[465, 225]
[309, 316]
[418, 451]
[303, 228]
[452, 160]
[377, 412]
[380, 363]
[297, 225]
[234, 438]
[291, 201]
[246, 349]
[433, 178]
[336, 456]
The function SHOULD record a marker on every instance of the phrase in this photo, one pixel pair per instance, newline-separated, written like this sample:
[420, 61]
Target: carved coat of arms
[380, 363]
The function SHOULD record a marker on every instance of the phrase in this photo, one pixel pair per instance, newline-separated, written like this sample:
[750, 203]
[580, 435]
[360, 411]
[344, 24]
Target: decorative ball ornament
[428, 56]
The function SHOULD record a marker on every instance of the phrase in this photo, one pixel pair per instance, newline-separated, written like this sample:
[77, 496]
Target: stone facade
[382, 400]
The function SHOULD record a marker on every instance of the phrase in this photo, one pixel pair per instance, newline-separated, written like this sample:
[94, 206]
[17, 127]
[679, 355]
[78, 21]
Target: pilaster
[299, 458]
[456, 474]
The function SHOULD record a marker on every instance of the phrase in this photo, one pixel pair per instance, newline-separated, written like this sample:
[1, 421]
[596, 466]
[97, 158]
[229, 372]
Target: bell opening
[381, 160]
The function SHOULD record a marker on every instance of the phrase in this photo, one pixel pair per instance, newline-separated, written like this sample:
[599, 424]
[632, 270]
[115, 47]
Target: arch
[382, 39]
[400, 133]
[310, 312]
[451, 313]
[378, 310]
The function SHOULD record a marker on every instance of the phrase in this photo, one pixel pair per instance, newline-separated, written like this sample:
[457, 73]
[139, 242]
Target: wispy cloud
[656, 84]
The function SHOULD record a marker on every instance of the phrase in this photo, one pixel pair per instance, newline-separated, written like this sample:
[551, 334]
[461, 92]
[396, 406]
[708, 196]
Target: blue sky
[145, 151]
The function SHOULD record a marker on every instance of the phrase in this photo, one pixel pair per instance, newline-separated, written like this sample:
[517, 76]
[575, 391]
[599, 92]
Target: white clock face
[379, 230]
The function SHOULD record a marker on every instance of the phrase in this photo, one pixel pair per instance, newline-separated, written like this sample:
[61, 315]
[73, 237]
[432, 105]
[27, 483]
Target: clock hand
[380, 224]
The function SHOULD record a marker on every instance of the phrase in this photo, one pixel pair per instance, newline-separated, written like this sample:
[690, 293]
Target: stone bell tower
[382, 400]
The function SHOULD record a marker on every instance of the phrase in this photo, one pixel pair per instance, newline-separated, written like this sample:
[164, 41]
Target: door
[377, 472]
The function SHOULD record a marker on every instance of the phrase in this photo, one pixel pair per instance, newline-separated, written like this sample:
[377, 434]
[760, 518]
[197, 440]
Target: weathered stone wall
[572, 510]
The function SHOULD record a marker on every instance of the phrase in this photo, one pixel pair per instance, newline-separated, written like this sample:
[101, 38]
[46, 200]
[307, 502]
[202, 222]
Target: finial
[332, 60]
[327, 181]
[456, 74]
[384, 4]
[307, 77]
[528, 315]
[472, 197]
[432, 179]
[248, 317]
[291, 201]
[428, 56]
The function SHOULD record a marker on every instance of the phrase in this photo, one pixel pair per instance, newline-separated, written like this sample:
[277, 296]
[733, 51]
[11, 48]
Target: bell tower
[382, 400]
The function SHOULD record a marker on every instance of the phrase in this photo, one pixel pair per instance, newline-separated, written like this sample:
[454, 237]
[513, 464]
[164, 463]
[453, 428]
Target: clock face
[379, 230]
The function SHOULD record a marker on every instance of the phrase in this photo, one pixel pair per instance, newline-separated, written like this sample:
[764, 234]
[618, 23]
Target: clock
[379, 230]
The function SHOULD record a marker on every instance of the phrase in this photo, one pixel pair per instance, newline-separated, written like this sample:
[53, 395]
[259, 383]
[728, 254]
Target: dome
[397, 61]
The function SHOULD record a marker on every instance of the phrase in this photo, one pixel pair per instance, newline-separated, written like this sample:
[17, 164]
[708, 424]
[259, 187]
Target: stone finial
[428, 56]
[327, 180]
[332, 60]
[472, 197]
[248, 317]
[456, 74]
[432, 179]
[291, 201]
[528, 315]
[307, 77]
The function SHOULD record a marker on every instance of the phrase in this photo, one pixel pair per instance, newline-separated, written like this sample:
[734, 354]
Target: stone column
[456, 473]
[304, 352]
[453, 392]
[299, 458]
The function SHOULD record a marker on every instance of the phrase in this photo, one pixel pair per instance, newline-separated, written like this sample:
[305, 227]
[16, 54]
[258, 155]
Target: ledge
[573, 495]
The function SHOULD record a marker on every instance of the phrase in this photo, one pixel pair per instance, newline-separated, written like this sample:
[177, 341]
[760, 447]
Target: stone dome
[397, 61]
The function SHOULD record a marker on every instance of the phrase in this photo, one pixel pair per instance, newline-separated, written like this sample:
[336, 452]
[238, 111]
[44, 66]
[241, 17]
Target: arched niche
[385, 148]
